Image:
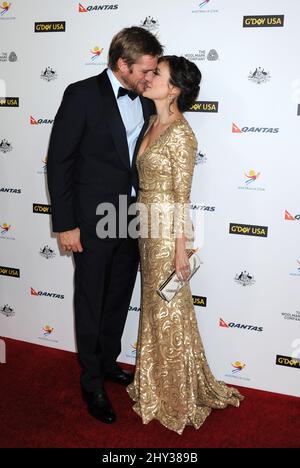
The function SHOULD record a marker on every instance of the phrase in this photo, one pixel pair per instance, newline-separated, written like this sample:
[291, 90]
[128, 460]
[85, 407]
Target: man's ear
[122, 65]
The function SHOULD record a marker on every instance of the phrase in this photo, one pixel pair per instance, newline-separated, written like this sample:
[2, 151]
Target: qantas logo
[33, 121]
[289, 217]
[134, 309]
[33, 292]
[83, 9]
[236, 129]
[242, 326]
[10, 190]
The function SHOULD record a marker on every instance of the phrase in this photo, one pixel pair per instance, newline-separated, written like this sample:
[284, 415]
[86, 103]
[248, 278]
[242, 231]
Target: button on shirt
[132, 115]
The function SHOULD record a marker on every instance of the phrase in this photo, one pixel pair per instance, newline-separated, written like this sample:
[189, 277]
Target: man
[96, 135]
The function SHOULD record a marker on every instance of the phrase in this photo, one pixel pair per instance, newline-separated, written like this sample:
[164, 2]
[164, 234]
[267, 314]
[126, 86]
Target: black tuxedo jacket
[88, 157]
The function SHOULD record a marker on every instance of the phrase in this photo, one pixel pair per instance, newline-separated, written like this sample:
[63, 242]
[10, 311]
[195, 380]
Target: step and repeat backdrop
[245, 197]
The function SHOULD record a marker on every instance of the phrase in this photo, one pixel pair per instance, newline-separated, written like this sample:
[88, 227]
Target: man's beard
[132, 86]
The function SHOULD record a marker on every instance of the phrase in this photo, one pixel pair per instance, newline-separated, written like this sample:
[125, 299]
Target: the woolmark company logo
[7, 310]
[204, 106]
[259, 75]
[5, 146]
[201, 55]
[248, 230]
[150, 23]
[8, 57]
[244, 278]
[263, 21]
[9, 102]
[48, 74]
[50, 26]
[291, 315]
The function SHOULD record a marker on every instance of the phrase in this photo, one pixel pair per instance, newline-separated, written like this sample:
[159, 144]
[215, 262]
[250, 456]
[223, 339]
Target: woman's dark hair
[130, 44]
[186, 76]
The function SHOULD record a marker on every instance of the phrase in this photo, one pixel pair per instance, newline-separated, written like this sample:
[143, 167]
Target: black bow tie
[123, 92]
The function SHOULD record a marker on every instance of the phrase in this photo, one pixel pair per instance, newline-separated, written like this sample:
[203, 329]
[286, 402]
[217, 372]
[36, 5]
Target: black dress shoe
[119, 376]
[99, 406]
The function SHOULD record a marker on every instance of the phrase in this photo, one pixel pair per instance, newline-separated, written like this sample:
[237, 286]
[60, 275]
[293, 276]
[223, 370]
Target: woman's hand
[182, 266]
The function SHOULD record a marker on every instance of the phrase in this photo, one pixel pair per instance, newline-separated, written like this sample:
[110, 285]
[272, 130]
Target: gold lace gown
[173, 382]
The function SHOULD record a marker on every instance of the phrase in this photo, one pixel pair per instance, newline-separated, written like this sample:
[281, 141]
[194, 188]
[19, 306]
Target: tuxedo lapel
[146, 113]
[114, 119]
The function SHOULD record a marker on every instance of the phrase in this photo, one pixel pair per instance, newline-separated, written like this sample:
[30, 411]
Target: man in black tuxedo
[91, 160]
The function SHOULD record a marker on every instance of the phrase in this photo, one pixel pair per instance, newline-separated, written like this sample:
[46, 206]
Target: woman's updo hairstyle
[186, 76]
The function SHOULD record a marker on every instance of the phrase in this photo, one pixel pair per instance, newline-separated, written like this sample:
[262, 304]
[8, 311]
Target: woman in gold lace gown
[173, 382]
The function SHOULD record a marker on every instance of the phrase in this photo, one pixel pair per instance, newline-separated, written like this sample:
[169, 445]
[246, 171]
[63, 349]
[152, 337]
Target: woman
[173, 382]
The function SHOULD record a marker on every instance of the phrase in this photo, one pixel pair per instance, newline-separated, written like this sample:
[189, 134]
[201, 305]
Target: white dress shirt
[132, 115]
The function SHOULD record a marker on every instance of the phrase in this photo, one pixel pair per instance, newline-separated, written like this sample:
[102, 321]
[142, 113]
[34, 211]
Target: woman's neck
[166, 114]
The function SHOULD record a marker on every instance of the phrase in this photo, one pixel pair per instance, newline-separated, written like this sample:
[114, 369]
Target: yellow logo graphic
[251, 176]
[47, 330]
[238, 366]
[96, 51]
[134, 348]
[5, 227]
[5, 7]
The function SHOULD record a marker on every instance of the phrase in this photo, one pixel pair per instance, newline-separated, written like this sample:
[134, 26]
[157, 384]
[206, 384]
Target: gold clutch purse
[170, 287]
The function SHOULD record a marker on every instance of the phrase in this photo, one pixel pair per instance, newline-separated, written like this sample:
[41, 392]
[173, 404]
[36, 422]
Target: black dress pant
[105, 274]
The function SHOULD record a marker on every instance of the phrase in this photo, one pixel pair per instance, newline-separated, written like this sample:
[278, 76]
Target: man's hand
[70, 240]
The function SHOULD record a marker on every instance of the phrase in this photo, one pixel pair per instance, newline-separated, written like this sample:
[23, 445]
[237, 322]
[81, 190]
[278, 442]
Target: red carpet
[41, 406]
